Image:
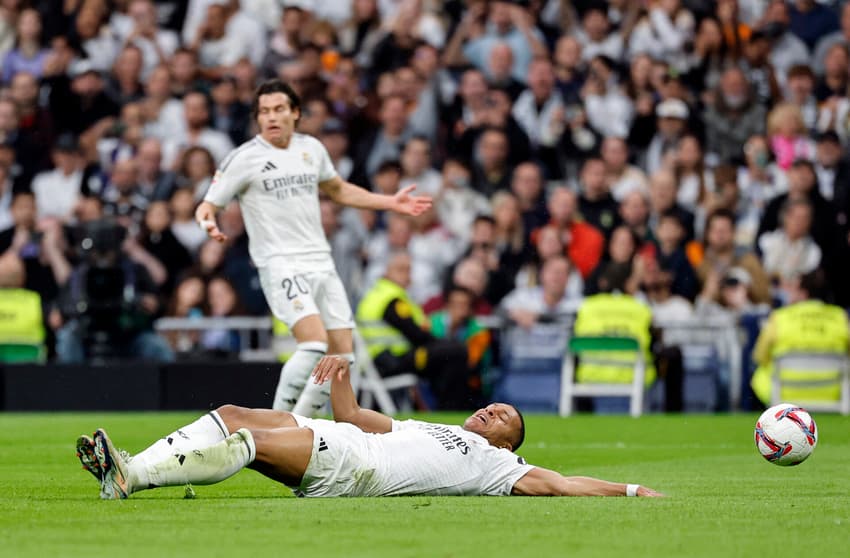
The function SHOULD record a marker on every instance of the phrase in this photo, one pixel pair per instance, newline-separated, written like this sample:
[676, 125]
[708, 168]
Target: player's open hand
[205, 216]
[328, 366]
[411, 205]
[645, 492]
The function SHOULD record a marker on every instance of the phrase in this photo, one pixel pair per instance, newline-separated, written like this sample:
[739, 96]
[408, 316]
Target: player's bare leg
[282, 454]
[314, 396]
[235, 417]
[312, 345]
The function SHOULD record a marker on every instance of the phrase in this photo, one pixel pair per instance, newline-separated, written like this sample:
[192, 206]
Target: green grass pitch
[723, 499]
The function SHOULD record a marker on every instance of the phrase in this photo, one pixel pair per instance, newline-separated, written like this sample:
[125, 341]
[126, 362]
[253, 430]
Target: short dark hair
[816, 284]
[521, 436]
[274, 86]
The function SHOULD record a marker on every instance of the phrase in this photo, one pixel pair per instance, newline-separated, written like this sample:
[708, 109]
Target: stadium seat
[371, 386]
[19, 353]
[598, 350]
[814, 362]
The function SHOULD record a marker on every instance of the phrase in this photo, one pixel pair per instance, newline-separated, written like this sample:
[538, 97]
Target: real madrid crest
[307, 158]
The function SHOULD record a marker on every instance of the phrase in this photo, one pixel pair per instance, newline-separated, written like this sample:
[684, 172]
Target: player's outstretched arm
[543, 482]
[205, 216]
[402, 202]
[343, 401]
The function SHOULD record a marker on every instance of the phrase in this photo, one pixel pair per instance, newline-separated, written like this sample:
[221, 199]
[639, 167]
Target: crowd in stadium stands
[689, 152]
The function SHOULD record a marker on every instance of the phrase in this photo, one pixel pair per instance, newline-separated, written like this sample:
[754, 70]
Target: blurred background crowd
[688, 152]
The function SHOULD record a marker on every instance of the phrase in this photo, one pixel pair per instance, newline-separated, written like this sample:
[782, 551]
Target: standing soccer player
[277, 177]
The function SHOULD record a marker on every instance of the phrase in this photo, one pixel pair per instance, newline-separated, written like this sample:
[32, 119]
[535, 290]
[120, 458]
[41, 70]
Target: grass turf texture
[723, 498]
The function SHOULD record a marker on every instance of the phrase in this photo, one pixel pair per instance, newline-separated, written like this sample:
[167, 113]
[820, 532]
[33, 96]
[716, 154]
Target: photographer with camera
[109, 303]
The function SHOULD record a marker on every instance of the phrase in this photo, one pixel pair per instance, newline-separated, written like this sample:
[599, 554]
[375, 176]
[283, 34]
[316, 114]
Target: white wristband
[632, 489]
[206, 224]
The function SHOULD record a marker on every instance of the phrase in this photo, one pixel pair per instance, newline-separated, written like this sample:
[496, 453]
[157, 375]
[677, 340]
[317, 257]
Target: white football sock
[204, 432]
[314, 396]
[207, 465]
[296, 372]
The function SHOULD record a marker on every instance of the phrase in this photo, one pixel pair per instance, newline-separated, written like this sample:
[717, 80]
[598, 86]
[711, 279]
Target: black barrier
[209, 385]
[137, 387]
[128, 387]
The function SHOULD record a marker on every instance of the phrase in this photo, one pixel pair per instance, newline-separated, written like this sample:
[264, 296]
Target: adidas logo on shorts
[269, 166]
[322, 445]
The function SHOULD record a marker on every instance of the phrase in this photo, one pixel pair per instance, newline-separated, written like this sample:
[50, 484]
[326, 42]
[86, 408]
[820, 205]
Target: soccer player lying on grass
[364, 453]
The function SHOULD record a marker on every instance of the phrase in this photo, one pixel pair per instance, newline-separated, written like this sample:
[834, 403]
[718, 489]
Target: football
[786, 434]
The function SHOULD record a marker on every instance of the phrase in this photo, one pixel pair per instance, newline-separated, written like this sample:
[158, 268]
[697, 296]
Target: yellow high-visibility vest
[808, 326]
[620, 315]
[380, 336]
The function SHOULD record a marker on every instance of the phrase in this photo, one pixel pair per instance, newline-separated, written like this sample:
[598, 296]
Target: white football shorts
[304, 287]
[341, 462]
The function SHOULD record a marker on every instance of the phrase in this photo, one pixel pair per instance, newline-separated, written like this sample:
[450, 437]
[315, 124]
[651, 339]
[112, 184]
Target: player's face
[498, 422]
[276, 118]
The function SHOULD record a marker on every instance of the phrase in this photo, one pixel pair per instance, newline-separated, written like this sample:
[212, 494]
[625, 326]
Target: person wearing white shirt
[790, 251]
[416, 167]
[596, 37]
[551, 299]
[360, 453]
[57, 191]
[277, 177]
[458, 204]
[196, 132]
[538, 108]
[139, 27]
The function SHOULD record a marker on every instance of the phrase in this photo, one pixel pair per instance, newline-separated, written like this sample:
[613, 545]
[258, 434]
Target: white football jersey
[278, 192]
[440, 459]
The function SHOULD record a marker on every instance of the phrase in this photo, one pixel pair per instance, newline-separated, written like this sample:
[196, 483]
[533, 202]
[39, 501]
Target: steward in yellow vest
[614, 314]
[21, 324]
[809, 325]
[396, 331]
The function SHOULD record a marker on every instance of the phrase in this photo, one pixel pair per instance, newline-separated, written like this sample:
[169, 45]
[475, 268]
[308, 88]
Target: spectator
[218, 47]
[491, 171]
[432, 250]
[154, 44]
[229, 114]
[596, 35]
[122, 198]
[416, 166]
[163, 113]
[670, 255]
[802, 185]
[786, 133]
[757, 65]
[96, 40]
[547, 302]
[672, 117]
[458, 322]
[662, 32]
[484, 249]
[584, 243]
[79, 101]
[527, 188]
[790, 252]
[569, 69]
[696, 183]
[842, 36]
[810, 20]
[596, 204]
[622, 176]
[333, 137]
[222, 302]
[125, 81]
[196, 170]
[361, 34]
[470, 275]
[57, 191]
[154, 183]
[457, 203]
[509, 232]
[183, 225]
[759, 181]
[196, 132]
[540, 108]
[634, 213]
[727, 297]
[188, 301]
[621, 269]
[705, 63]
[662, 198]
[383, 143]
[548, 245]
[505, 23]
[158, 240]
[801, 88]
[185, 72]
[734, 117]
[718, 253]
[609, 110]
[835, 77]
[833, 172]
[347, 237]
[498, 71]
[786, 49]
[28, 55]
